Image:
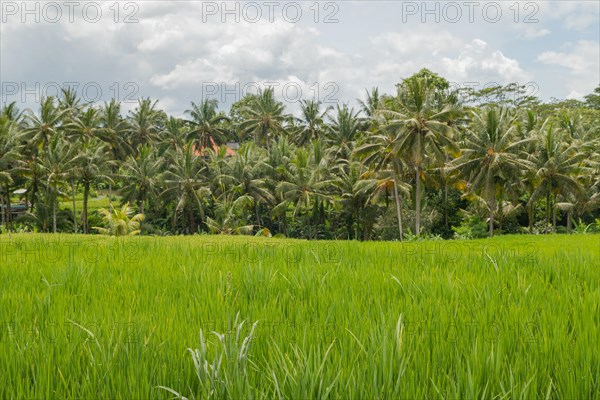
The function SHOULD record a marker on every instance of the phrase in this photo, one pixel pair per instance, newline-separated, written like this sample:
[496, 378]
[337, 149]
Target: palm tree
[371, 104]
[558, 164]
[85, 125]
[56, 163]
[94, 166]
[246, 172]
[174, 135]
[121, 222]
[186, 185]
[491, 157]
[40, 132]
[303, 187]
[205, 124]
[264, 117]
[343, 131]
[312, 122]
[10, 160]
[141, 177]
[382, 153]
[425, 129]
[142, 121]
[113, 133]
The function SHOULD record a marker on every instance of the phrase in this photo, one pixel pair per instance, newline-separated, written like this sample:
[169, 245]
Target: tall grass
[223, 317]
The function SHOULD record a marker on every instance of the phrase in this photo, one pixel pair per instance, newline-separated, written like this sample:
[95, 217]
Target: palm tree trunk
[192, 221]
[492, 206]
[110, 207]
[530, 212]
[446, 204]
[54, 204]
[569, 223]
[74, 206]
[398, 206]
[554, 214]
[84, 214]
[547, 209]
[8, 208]
[3, 220]
[256, 210]
[418, 201]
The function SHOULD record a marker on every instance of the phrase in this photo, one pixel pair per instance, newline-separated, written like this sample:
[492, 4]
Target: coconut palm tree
[143, 123]
[56, 164]
[343, 131]
[206, 124]
[425, 129]
[94, 166]
[311, 123]
[491, 156]
[382, 152]
[141, 175]
[247, 171]
[41, 129]
[186, 184]
[10, 159]
[303, 187]
[120, 222]
[559, 163]
[264, 117]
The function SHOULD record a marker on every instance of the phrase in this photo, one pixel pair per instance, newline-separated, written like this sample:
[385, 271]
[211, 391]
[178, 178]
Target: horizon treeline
[425, 161]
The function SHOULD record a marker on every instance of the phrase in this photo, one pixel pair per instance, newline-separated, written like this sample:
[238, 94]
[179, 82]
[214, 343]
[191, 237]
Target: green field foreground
[99, 317]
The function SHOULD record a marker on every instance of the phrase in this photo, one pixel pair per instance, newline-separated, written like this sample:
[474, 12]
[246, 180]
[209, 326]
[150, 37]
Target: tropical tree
[120, 222]
[303, 187]
[343, 131]
[558, 165]
[311, 123]
[141, 175]
[143, 123]
[206, 123]
[10, 160]
[424, 127]
[264, 117]
[56, 164]
[94, 166]
[491, 157]
[185, 182]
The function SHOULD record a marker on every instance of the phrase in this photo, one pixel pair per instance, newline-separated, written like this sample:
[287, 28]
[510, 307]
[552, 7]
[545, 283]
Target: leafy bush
[472, 228]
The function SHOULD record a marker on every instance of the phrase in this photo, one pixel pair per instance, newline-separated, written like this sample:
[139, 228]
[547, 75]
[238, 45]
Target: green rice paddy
[243, 317]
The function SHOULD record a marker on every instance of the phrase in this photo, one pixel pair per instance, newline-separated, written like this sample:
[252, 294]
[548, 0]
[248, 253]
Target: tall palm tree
[425, 129]
[303, 187]
[143, 123]
[141, 177]
[94, 166]
[247, 171]
[559, 163]
[185, 182]
[56, 163]
[114, 133]
[264, 117]
[10, 160]
[343, 131]
[382, 152]
[40, 132]
[174, 136]
[85, 125]
[205, 124]
[311, 123]
[491, 156]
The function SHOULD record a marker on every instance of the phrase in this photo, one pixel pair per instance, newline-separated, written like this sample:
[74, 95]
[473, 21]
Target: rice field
[242, 317]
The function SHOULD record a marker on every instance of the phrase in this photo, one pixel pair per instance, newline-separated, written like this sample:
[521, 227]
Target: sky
[182, 51]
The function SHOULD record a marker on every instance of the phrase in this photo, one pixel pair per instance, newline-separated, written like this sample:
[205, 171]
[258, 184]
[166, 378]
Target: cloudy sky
[179, 51]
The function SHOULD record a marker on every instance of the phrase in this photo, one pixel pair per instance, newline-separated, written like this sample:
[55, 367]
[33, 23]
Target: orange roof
[202, 151]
